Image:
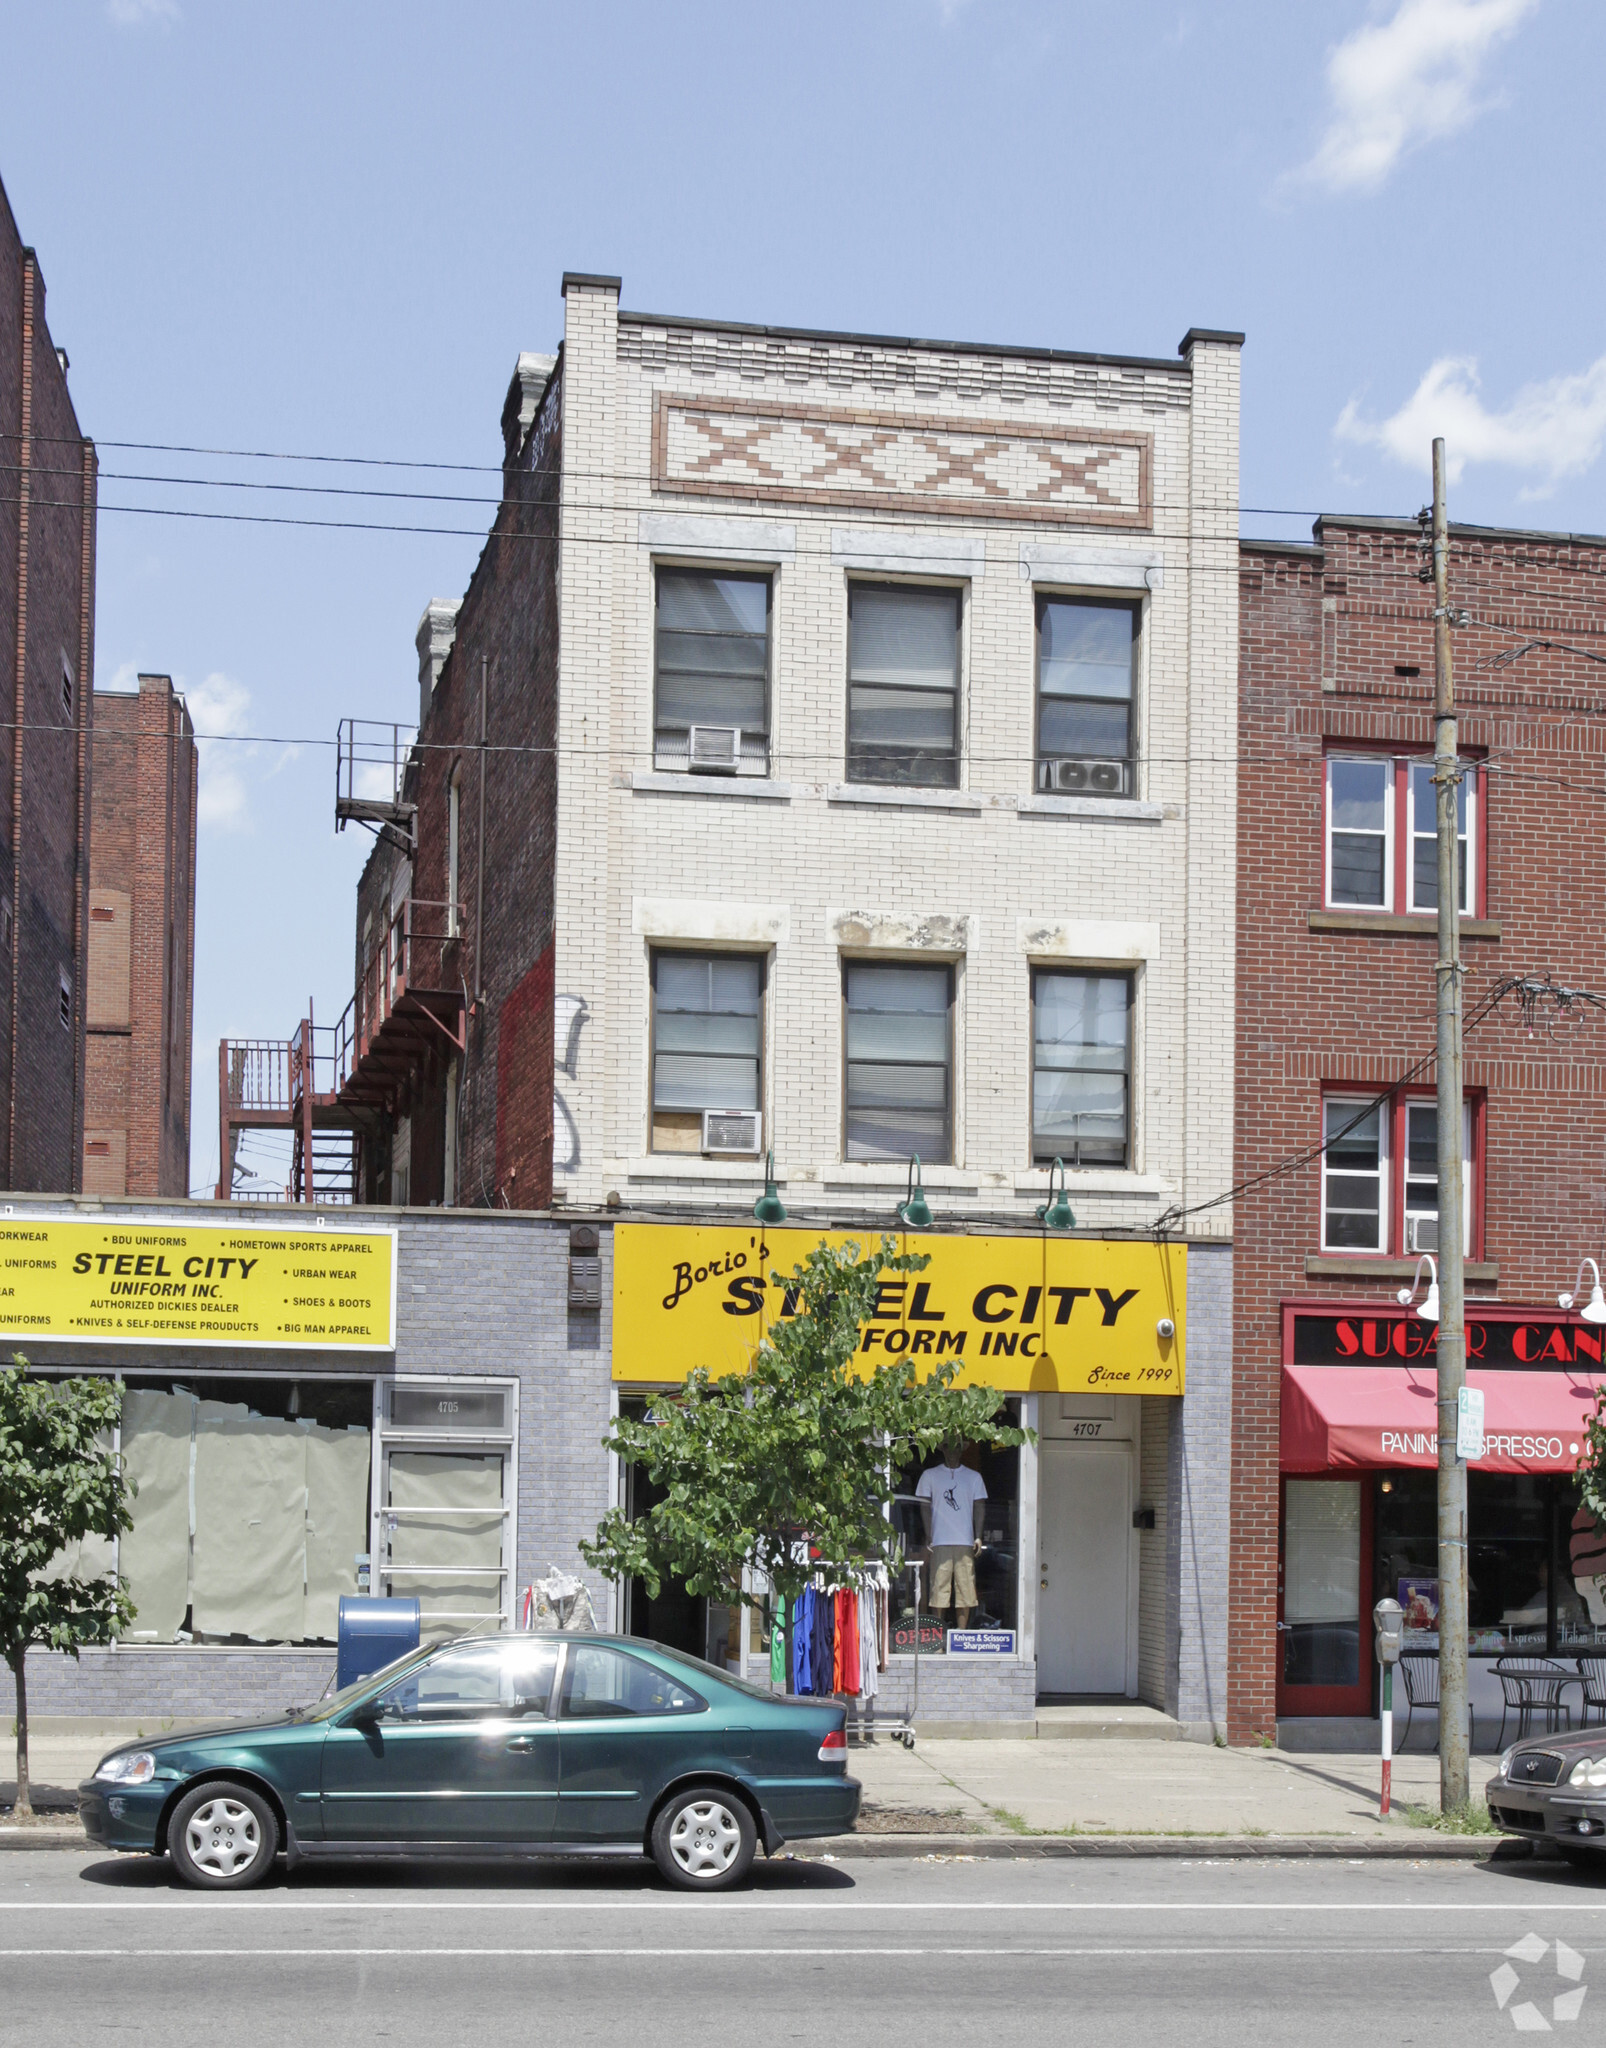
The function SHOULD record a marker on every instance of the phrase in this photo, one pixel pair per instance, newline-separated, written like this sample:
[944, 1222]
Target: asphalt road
[983, 1953]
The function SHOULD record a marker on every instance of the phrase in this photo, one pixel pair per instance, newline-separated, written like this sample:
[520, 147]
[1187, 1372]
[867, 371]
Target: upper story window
[1382, 844]
[707, 1052]
[903, 685]
[1380, 1174]
[899, 1061]
[711, 673]
[1087, 665]
[1081, 1068]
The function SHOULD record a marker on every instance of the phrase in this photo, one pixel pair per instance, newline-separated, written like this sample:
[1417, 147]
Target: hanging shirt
[803, 1642]
[952, 1495]
[869, 1676]
[778, 1642]
[847, 1641]
[824, 1652]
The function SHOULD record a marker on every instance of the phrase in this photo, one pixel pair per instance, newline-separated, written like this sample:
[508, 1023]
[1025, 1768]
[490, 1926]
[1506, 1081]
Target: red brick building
[1333, 1412]
[141, 975]
[47, 631]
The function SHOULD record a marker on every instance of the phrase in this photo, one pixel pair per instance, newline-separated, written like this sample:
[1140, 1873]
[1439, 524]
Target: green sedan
[518, 1745]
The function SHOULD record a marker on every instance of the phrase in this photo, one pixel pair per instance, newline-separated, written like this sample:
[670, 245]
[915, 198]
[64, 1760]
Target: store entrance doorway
[1084, 1603]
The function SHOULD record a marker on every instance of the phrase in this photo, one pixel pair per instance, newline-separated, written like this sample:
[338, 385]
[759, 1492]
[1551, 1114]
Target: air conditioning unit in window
[1065, 776]
[738, 1131]
[1422, 1233]
[716, 749]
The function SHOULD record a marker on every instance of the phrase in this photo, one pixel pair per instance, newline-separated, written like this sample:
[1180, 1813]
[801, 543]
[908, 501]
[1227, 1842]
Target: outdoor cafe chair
[1419, 1670]
[1531, 1688]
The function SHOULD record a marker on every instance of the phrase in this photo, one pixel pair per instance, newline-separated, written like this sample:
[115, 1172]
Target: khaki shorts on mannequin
[953, 1575]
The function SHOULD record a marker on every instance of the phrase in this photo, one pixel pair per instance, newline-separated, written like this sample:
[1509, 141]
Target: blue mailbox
[373, 1633]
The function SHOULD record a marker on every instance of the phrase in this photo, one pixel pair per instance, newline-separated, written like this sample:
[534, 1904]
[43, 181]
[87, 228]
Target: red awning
[1337, 1417]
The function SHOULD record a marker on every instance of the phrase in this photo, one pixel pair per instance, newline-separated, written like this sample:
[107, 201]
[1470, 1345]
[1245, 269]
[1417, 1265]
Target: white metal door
[1084, 1518]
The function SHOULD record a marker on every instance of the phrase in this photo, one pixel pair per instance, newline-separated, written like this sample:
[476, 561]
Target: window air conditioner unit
[737, 1131]
[1423, 1232]
[716, 749]
[1070, 777]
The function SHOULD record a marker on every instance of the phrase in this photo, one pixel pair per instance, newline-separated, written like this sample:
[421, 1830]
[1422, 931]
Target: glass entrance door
[1324, 1652]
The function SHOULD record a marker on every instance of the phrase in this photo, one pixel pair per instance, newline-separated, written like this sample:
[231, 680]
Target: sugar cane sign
[134, 1283]
[1024, 1314]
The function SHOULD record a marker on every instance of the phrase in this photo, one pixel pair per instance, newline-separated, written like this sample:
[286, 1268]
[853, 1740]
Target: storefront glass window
[1536, 1564]
[1322, 1582]
[996, 1566]
[251, 1509]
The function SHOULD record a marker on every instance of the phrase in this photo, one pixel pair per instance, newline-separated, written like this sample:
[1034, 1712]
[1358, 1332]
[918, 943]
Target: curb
[1419, 1845]
[44, 1838]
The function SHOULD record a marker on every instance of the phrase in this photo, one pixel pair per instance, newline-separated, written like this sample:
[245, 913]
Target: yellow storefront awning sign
[1023, 1314]
[154, 1283]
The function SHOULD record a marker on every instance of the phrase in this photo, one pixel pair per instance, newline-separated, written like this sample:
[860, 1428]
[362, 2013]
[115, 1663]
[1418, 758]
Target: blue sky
[330, 230]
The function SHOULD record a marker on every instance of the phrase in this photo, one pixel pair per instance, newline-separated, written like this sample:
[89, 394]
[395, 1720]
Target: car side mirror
[368, 1714]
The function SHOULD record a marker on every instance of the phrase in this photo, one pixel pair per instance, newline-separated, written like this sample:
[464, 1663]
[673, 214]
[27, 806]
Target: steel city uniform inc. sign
[1023, 1314]
[137, 1283]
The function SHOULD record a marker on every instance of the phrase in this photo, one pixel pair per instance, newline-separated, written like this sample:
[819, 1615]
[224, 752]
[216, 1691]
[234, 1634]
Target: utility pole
[1454, 1779]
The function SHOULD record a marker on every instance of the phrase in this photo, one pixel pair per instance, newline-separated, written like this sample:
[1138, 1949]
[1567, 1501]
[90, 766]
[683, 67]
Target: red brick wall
[1318, 1007]
[507, 632]
[524, 1087]
[142, 843]
[46, 617]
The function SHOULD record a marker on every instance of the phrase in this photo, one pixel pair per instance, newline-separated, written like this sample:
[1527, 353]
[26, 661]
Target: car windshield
[324, 1708]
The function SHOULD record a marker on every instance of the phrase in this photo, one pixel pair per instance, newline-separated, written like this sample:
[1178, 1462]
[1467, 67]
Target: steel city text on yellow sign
[148, 1283]
[1023, 1314]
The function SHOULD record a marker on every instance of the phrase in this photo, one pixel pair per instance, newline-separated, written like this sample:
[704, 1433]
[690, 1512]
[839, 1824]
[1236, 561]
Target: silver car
[1555, 1787]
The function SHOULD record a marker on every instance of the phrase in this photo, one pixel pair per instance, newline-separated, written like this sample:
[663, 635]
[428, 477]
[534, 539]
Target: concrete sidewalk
[1123, 1787]
[951, 1786]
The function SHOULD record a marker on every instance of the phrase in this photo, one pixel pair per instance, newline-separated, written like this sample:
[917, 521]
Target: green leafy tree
[807, 1442]
[60, 1485]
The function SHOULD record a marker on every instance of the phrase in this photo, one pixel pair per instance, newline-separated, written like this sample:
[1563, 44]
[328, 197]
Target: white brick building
[998, 480]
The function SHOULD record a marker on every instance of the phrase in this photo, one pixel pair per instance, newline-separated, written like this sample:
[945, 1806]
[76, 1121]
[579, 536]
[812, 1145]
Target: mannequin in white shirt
[953, 1502]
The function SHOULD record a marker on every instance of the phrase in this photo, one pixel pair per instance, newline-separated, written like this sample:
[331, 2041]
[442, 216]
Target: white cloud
[220, 711]
[142, 13]
[125, 683]
[1555, 428]
[1395, 85]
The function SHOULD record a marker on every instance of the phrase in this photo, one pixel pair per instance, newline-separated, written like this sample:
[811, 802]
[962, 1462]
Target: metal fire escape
[336, 1087]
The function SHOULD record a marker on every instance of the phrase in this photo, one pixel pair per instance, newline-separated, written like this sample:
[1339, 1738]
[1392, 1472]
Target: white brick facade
[804, 869]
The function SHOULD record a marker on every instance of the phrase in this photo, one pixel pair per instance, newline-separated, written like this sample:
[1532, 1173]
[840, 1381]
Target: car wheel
[704, 1840]
[223, 1837]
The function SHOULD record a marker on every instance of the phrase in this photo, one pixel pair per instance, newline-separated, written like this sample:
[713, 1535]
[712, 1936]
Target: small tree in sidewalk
[808, 1442]
[60, 1484]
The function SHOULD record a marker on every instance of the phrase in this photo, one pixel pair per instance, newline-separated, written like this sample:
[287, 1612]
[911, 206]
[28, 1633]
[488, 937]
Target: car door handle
[522, 1742]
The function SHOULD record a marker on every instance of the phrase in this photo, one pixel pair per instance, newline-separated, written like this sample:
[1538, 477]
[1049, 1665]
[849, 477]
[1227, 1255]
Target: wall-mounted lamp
[914, 1211]
[768, 1209]
[1593, 1310]
[1055, 1213]
[1429, 1311]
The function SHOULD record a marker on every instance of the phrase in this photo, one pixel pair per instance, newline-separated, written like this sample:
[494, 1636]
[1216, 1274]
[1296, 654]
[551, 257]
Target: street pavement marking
[726, 1954]
[1520, 1903]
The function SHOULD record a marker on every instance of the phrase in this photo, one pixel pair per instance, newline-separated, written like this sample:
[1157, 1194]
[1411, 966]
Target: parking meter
[1388, 1626]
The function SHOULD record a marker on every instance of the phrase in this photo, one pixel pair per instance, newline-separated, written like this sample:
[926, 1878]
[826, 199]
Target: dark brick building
[141, 967]
[1332, 1498]
[47, 629]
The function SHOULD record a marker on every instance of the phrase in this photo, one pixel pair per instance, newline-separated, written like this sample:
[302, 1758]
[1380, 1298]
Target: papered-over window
[247, 1526]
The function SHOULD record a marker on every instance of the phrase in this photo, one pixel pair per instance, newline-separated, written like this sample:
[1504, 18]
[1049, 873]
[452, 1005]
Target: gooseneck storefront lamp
[1055, 1214]
[1429, 1311]
[914, 1210]
[1593, 1310]
[768, 1208]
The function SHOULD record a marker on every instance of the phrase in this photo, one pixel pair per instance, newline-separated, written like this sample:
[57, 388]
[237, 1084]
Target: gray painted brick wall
[484, 1293]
